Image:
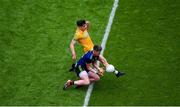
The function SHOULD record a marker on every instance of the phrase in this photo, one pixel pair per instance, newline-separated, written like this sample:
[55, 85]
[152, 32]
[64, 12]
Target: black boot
[119, 74]
[72, 68]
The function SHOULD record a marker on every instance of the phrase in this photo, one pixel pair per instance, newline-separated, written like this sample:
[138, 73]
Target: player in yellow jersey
[82, 37]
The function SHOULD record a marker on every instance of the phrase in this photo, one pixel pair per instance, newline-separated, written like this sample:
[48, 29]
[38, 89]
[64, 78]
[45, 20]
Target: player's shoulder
[89, 54]
[78, 32]
[88, 57]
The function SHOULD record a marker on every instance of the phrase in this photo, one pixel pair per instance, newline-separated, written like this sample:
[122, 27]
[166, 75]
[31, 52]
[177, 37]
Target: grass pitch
[144, 42]
[35, 56]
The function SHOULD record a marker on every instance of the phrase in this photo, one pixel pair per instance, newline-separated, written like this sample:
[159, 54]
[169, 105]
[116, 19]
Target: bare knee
[87, 82]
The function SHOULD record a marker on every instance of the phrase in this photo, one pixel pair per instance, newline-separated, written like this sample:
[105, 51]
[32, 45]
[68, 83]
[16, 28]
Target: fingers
[101, 72]
[87, 22]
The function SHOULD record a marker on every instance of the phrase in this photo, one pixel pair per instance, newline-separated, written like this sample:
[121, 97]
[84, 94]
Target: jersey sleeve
[87, 59]
[77, 36]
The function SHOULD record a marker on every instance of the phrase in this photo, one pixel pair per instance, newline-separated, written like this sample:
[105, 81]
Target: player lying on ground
[87, 67]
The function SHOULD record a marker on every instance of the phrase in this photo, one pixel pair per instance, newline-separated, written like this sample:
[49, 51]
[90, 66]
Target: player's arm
[103, 60]
[87, 23]
[100, 71]
[72, 45]
[96, 65]
[88, 65]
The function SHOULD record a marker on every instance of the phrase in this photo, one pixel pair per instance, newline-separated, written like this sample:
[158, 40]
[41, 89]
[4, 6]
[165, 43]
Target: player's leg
[75, 69]
[84, 80]
[93, 76]
[118, 73]
[68, 84]
[111, 68]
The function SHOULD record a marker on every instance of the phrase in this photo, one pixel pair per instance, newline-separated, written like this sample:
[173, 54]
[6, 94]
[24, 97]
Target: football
[110, 68]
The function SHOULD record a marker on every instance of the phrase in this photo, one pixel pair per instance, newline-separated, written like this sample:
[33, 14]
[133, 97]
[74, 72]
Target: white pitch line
[103, 44]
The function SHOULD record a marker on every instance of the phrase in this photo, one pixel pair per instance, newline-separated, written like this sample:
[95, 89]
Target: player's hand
[74, 56]
[100, 71]
[87, 24]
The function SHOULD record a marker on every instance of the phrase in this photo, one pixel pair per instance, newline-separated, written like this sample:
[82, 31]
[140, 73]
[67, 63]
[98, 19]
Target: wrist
[87, 22]
[73, 53]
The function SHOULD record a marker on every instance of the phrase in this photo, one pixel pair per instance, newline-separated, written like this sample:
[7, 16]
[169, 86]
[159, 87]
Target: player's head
[97, 50]
[81, 24]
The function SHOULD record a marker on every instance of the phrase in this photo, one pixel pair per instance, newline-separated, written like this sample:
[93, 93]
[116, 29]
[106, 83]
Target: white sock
[116, 72]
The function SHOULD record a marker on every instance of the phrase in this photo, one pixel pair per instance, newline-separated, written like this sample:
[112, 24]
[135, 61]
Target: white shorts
[83, 74]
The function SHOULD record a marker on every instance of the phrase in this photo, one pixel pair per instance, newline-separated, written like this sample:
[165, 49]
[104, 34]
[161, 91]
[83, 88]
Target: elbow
[70, 45]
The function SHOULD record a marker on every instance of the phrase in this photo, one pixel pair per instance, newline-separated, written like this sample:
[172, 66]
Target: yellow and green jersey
[84, 39]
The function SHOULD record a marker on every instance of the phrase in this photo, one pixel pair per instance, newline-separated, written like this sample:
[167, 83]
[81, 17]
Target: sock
[72, 83]
[116, 72]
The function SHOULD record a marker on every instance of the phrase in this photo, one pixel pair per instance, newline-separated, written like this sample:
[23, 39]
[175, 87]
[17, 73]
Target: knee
[87, 82]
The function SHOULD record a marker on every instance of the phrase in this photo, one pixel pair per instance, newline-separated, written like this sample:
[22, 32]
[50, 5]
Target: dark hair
[80, 23]
[97, 48]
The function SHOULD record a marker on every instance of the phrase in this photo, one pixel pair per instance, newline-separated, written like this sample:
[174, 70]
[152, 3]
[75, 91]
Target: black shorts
[80, 68]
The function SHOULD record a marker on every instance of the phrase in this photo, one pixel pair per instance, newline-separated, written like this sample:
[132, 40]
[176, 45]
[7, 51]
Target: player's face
[84, 27]
[96, 53]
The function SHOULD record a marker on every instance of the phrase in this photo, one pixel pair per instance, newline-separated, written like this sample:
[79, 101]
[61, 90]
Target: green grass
[34, 48]
[35, 56]
[144, 42]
